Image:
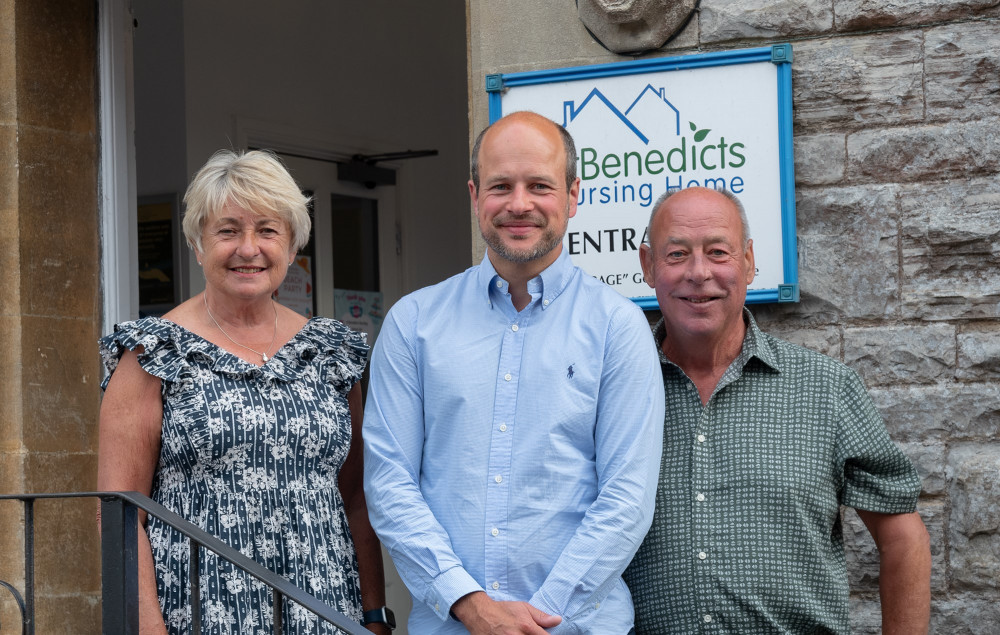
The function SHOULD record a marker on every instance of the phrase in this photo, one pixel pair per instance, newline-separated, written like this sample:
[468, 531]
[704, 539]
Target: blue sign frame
[780, 55]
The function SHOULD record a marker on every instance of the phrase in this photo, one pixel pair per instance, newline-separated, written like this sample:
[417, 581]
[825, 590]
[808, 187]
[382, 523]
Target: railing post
[29, 567]
[194, 580]
[119, 567]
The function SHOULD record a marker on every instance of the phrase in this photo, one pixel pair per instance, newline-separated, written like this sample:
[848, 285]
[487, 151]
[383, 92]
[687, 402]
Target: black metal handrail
[119, 566]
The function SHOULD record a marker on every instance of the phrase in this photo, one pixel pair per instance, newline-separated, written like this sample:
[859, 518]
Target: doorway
[355, 253]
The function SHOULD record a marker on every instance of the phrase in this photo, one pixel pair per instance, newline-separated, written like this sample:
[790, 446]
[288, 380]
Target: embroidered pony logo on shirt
[569, 371]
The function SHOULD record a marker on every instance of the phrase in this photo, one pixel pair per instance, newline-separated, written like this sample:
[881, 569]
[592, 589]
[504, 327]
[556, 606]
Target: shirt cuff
[565, 627]
[448, 588]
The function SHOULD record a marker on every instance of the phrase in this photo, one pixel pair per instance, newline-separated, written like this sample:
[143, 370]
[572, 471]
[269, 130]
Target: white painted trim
[119, 235]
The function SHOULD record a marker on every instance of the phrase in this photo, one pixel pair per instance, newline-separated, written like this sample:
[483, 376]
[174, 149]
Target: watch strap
[380, 615]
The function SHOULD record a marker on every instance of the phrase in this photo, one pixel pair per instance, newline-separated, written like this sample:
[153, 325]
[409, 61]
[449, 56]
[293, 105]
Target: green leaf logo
[699, 135]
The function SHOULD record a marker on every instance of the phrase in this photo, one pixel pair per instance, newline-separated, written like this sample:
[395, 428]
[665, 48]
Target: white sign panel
[640, 131]
[360, 310]
[296, 290]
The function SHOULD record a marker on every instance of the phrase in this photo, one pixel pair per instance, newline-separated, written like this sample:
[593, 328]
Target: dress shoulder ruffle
[169, 351]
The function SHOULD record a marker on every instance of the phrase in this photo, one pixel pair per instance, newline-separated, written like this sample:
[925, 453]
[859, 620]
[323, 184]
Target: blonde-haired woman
[243, 417]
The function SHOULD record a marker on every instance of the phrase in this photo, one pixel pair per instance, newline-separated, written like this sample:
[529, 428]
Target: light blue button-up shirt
[511, 452]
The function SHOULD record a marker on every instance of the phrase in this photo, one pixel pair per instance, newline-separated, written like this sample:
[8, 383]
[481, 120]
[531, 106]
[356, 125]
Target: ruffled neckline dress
[251, 455]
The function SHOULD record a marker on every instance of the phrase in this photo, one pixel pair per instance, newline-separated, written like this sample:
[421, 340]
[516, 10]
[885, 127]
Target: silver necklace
[263, 355]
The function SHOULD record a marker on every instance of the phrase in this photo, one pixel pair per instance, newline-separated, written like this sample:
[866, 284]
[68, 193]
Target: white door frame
[119, 260]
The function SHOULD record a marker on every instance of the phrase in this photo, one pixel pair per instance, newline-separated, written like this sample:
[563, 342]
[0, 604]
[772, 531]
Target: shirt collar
[549, 284]
[754, 344]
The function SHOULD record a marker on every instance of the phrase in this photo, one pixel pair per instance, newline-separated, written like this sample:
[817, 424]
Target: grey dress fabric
[251, 455]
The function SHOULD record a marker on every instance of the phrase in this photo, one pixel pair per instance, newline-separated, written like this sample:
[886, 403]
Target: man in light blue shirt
[514, 421]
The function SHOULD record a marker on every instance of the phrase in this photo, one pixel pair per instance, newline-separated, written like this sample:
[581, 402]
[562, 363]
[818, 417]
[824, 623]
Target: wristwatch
[381, 614]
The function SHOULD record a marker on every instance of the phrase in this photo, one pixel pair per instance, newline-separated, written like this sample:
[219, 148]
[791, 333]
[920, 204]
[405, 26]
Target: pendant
[263, 356]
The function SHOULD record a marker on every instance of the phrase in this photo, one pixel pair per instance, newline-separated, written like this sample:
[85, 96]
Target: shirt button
[507, 377]
[498, 478]
[503, 427]
[707, 618]
[597, 605]
[495, 531]
[499, 284]
[702, 555]
[513, 327]
[545, 303]
[495, 585]
[701, 438]
[700, 497]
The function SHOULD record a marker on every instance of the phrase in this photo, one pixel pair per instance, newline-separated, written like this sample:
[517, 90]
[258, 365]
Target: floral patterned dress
[251, 455]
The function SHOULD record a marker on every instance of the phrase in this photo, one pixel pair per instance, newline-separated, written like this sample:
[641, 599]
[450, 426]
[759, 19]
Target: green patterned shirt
[746, 537]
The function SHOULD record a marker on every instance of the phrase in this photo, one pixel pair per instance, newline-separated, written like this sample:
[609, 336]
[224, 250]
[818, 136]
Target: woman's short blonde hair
[256, 181]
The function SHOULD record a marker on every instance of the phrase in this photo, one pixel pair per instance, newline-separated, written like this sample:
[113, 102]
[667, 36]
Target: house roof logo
[647, 111]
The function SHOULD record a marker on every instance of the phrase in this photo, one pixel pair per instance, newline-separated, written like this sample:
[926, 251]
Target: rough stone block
[809, 312]
[962, 70]
[69, 614]
[820, 159]
[61, 384]
[859, 15]
[62, 522]
[929, 460]
[924, 153]
[866, 614]
[8, 172]
[62, 97]
[863, 558]
[822, 340]
[723, 20]
[950, 259]
[964, 614]
[979, 352]
[11, 530]
[901, 354]
[848, 250]
[8, 65]
[862, 82]
[59, 231]
[492, 24]
[10, 382]
[939, 412]
[975, 517]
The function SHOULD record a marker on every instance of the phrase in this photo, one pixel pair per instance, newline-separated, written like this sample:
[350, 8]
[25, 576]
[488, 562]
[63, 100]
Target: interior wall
[158, 50]
[378, 76]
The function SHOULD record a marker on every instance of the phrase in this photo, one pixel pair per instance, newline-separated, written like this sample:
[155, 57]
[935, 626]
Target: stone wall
[897, 150]
[49, 305]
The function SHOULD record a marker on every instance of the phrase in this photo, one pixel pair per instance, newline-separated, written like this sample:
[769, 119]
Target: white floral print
[251, 454]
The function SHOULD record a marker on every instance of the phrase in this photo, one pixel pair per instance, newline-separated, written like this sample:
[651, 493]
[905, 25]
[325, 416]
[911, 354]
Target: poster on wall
[296, 290]
[360, 310]
[721, 120]
[156, 221]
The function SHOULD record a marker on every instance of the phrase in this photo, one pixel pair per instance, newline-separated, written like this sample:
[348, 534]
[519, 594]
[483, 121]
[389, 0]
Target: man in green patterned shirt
[763, 442]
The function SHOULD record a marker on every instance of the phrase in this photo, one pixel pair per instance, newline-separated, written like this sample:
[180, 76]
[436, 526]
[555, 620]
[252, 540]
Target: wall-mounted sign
[296, 290]
[360, 310]
[721, 120]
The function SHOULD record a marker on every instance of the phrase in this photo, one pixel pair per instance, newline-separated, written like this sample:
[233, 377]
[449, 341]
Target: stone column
[49, 304]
